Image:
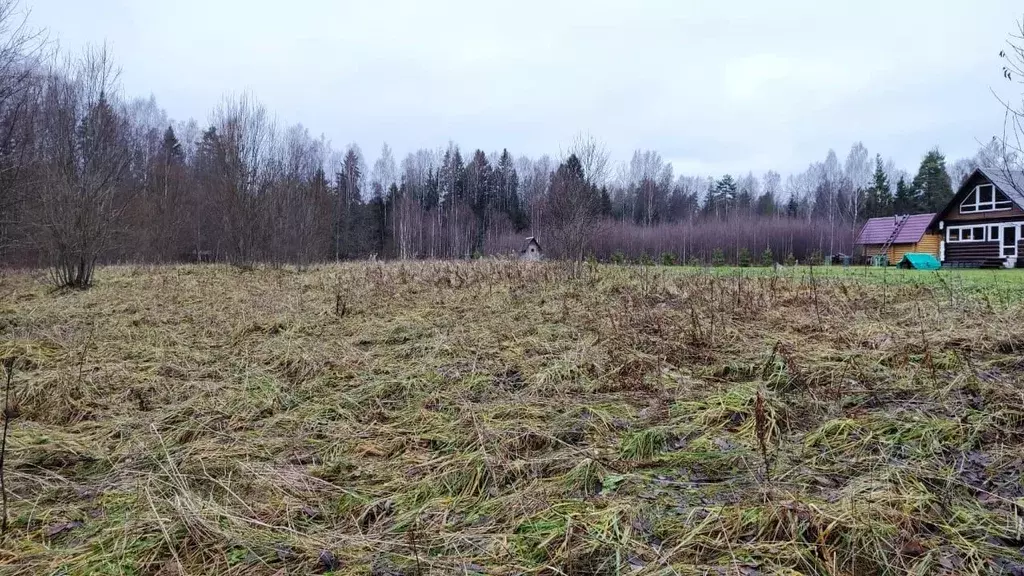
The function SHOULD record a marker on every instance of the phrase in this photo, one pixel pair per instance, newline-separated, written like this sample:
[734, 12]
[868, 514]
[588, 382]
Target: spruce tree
[606, 202]
[879, 197]
[506, 186]
[906, 200]
[766, 204]
[171, 151]
[793, 206]
[932, 184]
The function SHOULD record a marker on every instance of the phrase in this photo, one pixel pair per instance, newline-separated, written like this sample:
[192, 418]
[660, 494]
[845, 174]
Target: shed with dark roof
[532, 250]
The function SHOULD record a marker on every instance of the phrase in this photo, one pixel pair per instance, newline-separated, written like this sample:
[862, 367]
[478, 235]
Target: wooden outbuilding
[896, 236]
[532, 250]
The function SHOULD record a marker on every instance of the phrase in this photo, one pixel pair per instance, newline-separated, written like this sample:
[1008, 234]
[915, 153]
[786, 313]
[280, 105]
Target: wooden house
[895, 236]
[981, 225]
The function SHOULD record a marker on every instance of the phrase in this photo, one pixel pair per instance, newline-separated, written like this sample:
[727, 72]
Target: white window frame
[1016, 244]
[985, 231]
[972, 203]
[998, 236]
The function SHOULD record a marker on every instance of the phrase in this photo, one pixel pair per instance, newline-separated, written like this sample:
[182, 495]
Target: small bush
[646, 260]
[743, 257]
[695, 262]
[718, 257]
[668, 259]
[767, 258]
[618, 257]
[790, 259]
[815, 258]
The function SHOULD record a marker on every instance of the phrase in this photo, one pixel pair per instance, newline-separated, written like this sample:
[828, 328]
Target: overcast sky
[725, 86]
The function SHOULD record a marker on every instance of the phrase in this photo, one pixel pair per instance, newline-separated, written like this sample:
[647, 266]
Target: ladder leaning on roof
[900, 222]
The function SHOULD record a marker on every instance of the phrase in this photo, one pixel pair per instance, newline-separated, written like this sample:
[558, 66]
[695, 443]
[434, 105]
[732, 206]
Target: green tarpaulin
[920, 261]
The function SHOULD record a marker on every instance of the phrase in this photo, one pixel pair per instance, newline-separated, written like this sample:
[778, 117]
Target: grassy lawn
[512, 418]
[1001, 285]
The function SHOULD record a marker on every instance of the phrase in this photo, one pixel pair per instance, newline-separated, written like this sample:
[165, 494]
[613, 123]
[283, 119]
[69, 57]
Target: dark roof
[878, 230]
[1010, 182]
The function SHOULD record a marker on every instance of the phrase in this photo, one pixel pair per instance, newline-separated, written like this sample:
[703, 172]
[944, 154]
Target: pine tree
[722, 197]
[932, 184]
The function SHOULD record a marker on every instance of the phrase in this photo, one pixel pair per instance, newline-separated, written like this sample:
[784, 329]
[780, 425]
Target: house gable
[983, 222]
[955, 212]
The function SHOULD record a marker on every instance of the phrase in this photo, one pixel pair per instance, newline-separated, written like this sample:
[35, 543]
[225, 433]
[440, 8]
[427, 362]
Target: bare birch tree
[856, 179]
[593, 157]
[383, 176]
[21, 52]
[246, 136]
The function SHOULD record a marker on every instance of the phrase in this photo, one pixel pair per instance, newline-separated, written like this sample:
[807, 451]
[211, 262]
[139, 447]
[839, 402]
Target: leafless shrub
[85, 160]
[574, 209]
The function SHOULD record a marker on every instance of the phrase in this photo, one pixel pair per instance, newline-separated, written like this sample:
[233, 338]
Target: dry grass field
[506, 418]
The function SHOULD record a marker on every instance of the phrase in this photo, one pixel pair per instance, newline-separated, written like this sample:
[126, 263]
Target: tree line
[88, 175]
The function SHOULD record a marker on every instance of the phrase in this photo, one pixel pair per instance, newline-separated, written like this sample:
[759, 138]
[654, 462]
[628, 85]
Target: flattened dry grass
[512, 418]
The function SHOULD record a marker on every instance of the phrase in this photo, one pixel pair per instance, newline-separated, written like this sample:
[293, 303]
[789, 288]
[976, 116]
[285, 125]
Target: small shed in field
[896, 236]
[532, 250]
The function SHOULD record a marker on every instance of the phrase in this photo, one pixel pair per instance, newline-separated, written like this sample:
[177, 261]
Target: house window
[968, 233]
[993, 233]
[985, 198]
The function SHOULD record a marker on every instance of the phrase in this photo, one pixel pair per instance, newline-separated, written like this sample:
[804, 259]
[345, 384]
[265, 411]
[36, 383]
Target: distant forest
[90, 175]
